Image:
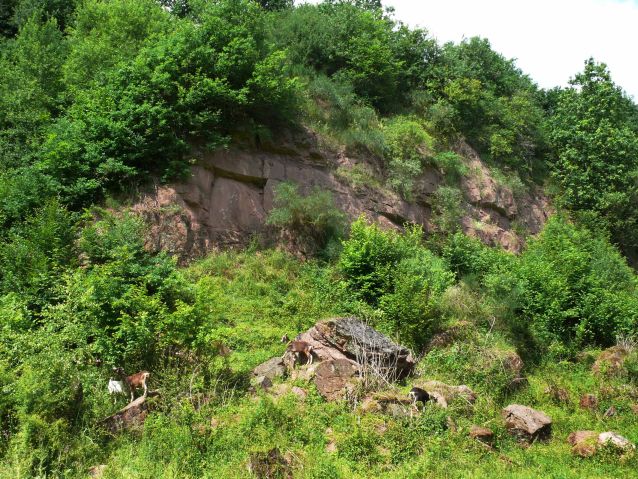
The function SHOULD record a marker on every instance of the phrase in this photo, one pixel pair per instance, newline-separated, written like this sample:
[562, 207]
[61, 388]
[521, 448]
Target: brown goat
[134, 381]
[299, 347]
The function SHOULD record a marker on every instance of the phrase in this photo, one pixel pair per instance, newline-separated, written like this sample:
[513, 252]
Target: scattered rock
[558, 395]
[97, 471]
[581, 436]
[518, 383]
[370, 406]
[269, 465]
[331, 447]
[444, 394]
[513, 364]
[583, 443]
[305, 373]
[300, 393]
[611, 412]
[273, 368]
[611, 361]
[589, 401]
[333, 376]
[482, 434]
[615, 440]
[349, 338]
[131, 416]
[527, 424]
[261, 382]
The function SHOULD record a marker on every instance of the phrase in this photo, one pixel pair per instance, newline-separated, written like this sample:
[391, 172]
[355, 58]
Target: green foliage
[336, 111]
[383, 60]
[407, 144]
[447, 209]
[35, 254]
[313, 217]
[488, 99]
[397, 274]
[106, 34]
[596, 140]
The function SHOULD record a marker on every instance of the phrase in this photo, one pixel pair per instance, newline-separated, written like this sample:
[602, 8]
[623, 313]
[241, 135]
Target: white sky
[550, 39]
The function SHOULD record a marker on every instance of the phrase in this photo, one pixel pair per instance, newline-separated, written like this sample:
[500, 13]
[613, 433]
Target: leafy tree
[595, 137]
[274, 5]
[43, 10]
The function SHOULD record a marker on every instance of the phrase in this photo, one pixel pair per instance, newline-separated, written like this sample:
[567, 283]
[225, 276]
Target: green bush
[407, 146]
[313, 218]
[575, 287]
[398, 275]
[447, 209]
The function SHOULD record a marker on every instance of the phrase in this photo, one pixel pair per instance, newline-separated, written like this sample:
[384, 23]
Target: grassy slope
[253, 298]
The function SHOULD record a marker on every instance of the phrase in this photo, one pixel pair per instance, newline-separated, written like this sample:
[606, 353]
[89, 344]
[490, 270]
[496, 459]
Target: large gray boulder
[527, 424]
[350, 338]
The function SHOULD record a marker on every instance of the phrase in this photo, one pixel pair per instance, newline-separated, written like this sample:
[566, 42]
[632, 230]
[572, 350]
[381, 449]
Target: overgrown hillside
[358, 168]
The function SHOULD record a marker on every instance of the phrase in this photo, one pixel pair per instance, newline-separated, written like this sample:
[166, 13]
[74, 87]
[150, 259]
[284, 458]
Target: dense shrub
[574, 287]
[398, 275]
[312, 218]
[407, 146]
[383, 60]
[595, 135]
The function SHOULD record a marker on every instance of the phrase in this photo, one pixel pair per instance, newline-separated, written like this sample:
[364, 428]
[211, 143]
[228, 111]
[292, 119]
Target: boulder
[299, 392]
[130, 416]
[611, 361]
[527, 424]
[611, 412]
[333, 376]
[349, 338]
[588, 401]
[273, 368]
[583, 443]
[261, 382]
[482, 434]
[445, 394]
[581, 436]
[619, 442]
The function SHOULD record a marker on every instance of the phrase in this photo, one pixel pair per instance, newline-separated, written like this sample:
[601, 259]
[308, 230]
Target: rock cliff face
[226, 200]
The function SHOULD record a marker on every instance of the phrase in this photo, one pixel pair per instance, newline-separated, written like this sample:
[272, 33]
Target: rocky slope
[226, 200]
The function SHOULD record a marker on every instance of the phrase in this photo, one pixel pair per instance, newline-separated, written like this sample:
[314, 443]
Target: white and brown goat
[134, 381]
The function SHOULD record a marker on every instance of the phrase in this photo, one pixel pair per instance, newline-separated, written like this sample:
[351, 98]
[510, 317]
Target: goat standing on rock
[134, 381]
[299, 347]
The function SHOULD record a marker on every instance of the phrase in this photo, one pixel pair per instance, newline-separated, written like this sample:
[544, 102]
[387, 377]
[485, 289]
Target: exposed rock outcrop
[130, 416]
[228, 196]
[527, 424]
[351, 339]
